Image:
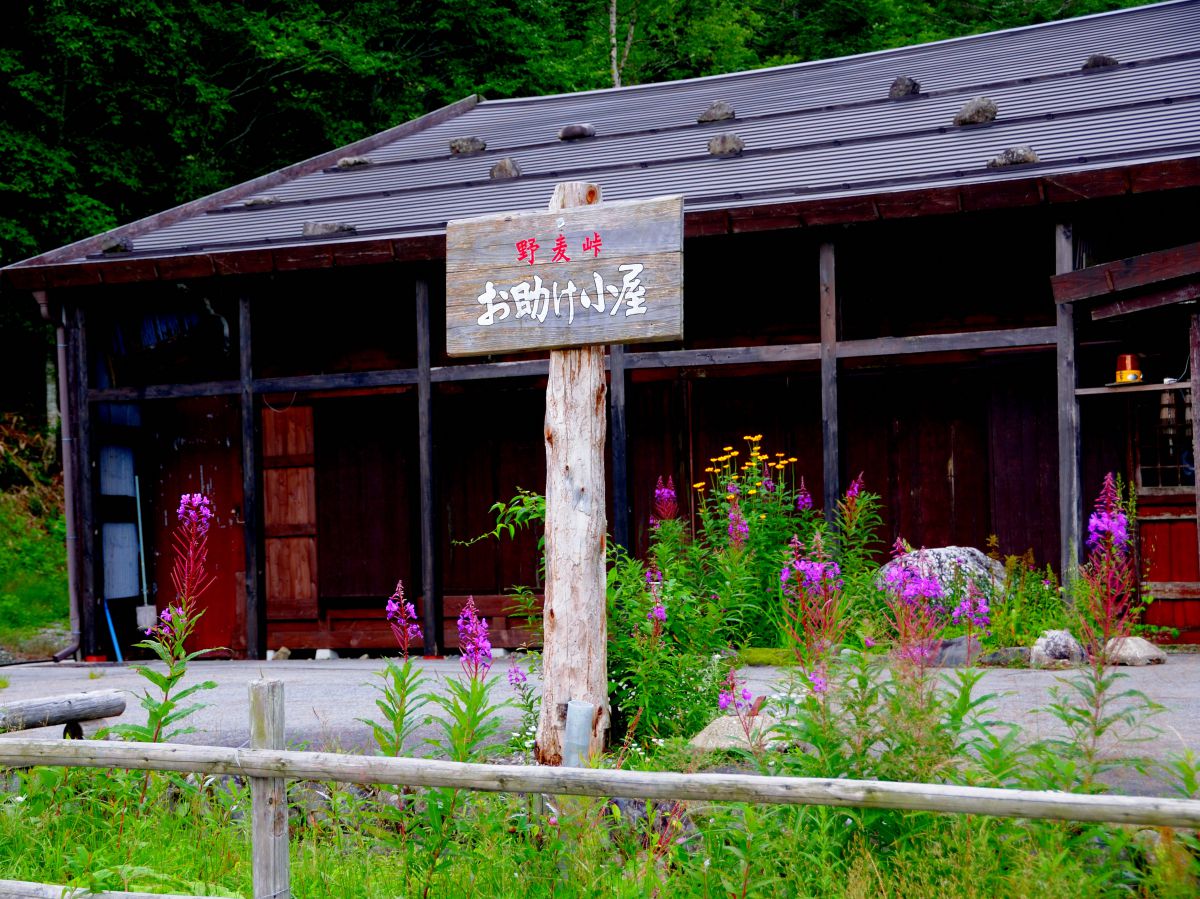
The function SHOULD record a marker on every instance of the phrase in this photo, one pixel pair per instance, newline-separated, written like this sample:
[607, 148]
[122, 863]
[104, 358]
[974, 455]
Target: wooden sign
[609, 273]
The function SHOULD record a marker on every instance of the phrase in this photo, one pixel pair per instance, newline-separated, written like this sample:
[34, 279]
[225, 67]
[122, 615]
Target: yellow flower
[752, 491]
[726, 449]
[758, 483]
[762, 515]
[756, 438]
[793, 459]
[733, 453]
[730, 497]
[747, 437]
[699, 485]
[779, 455]
[710, 470]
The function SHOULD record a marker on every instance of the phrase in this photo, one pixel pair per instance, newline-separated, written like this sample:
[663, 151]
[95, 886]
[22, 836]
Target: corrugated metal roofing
[813, 130]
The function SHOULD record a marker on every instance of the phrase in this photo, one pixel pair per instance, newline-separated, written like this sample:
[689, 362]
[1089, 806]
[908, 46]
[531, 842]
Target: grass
[3, 683]
[759, 655]
[33, 578]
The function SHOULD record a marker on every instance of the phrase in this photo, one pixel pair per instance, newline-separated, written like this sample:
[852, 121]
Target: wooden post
[574, 663]
[254, 611]
[829, 400]
[85, 529]
[268, 795]
[62, 709]
[1068, 414]
[620, 448]
[1194, 347]
[430, 589]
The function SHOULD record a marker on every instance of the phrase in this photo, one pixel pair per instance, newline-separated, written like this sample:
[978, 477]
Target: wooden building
[861, 287]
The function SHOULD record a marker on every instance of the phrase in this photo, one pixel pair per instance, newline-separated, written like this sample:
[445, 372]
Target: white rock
[949, 564]
[1133, 651]
[324, 655]
[1056, 649]
[726, 733]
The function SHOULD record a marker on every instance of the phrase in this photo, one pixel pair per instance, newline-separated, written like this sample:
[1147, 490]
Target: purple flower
[973, 608]
[818, 682]
[742, 700]
[768, 485]
[804, 500]
[195, 510]
[666, 505]
[855, 488]
[868, 643]
[653, 577]
[732, 488]
[473, 641]
[1104, 525]
[739, 530]
[516, 677]
[402, 617]
[659, 612]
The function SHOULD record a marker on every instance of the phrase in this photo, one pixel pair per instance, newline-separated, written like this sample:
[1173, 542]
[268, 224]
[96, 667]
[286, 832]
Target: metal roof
[813, 131]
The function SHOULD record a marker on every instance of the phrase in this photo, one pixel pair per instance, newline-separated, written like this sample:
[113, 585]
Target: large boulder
[950, 565]
[1007, 657]
[1133, 651]
[1056, 649]
[726, 732]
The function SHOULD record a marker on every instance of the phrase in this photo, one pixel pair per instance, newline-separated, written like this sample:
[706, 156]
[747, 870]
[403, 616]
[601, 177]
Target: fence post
[268, 795]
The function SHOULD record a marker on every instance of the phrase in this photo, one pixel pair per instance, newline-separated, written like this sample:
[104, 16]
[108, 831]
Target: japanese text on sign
[537, 299]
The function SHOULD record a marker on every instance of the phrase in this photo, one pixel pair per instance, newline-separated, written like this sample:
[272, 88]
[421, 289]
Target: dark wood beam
[1069, 510]
[164, 392]
[479, 371]
[1194, 347]
[619, 444]
[945, 343]
[255, 611]
[430, 586]
[1127, 274]
[1142, 302]
[831, 463]
[740, 355]
[341, 380]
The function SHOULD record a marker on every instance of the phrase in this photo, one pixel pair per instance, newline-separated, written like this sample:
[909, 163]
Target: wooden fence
[268, 766]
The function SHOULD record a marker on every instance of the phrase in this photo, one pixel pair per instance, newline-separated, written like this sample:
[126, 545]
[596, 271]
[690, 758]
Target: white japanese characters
[535, 301]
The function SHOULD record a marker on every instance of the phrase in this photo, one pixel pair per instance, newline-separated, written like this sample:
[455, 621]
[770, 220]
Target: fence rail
[269, 767]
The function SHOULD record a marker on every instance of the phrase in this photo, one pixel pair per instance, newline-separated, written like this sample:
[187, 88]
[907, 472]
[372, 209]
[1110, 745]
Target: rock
[467, 146]
[325, 655]
[726, 733]
[1056, 649]
[726, 145]
[576, 132]
[949, 564]
[352, 162]
[1006, 657]
[719, 111]
[262, 201]
[321, 229]
[953, 653]
[282, 654]
[505, 169]
[1019, 155]
[1133, 651]
[112, 245]
[903, 87]
[976, 112]
[1098, 61]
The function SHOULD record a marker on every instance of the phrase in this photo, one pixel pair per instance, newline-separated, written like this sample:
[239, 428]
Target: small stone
[282, 654]
[717, 112]
[1098, 61]
[325, 655]
[505, 169]
[352, 162]
[976, 112]
[113, 245]
[262, 201]
[467, 146]
[1056, 649]
[1020, 155]
[576, 132]
[1133, 651]
[726, 145]
[1006, 657]
[321, 229]
[903, 87]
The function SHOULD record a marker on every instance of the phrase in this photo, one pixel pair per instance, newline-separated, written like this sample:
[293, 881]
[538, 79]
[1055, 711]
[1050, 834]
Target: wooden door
[289, 513]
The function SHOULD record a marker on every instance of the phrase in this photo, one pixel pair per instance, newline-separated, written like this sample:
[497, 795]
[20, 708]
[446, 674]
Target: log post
[268, 795]
[574, 663]
[1069, 506]
[831, 464]
[65, 709]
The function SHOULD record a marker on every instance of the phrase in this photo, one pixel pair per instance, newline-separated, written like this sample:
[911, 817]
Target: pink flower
[402, 617]
[473, 641]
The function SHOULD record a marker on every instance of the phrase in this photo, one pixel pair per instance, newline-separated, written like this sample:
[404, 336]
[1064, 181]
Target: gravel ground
[325, 700]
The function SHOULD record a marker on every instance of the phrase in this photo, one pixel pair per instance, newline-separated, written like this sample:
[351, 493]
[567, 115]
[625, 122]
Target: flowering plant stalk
[175, 624]
[1107, 601]
[400, 698]
[813, 610]
[737, 696]
[914, 602]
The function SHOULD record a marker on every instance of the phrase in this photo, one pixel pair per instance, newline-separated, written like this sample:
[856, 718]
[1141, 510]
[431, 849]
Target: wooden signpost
[570, 280]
